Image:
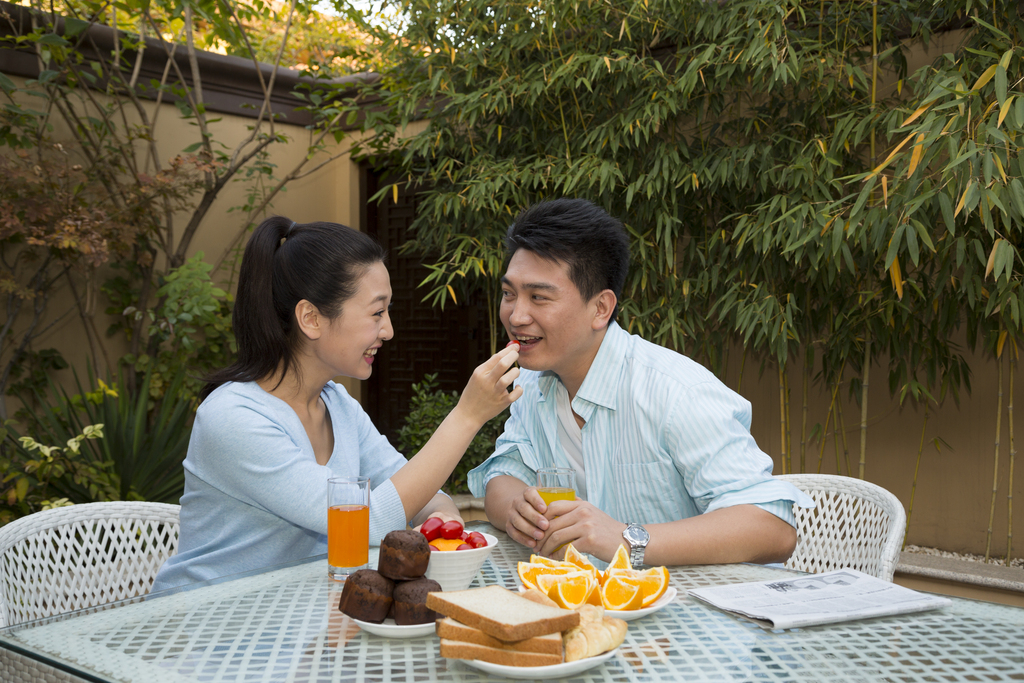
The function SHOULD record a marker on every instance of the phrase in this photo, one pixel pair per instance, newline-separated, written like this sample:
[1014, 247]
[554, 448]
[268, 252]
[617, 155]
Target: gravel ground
[1014, 561]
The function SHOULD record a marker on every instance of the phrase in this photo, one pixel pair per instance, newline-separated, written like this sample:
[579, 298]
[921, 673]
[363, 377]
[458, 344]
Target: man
[664, 458]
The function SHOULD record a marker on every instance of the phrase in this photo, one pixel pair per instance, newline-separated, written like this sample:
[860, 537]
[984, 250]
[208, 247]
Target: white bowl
[455, 569]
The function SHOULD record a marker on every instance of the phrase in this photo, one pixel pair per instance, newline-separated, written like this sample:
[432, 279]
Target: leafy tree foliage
[786, 182]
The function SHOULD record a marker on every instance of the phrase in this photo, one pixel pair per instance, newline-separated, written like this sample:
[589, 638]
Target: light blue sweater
[254, 493]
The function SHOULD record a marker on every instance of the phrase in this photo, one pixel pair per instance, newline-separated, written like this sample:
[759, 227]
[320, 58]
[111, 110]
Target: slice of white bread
[502, 614]
[450, 629]
[453, 649]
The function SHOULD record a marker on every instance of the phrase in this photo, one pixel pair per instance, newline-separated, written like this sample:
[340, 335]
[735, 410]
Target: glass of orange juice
[556, 483]
[348, 525]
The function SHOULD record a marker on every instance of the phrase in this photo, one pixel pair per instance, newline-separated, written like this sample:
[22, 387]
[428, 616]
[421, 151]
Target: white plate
[631, 614]
[389, 629]
[540, 673]
[661, 603]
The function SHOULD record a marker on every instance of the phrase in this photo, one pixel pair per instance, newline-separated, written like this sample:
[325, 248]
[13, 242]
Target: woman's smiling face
[350, 341]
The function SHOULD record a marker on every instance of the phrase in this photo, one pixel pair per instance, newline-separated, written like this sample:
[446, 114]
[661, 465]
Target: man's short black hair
[593, 244]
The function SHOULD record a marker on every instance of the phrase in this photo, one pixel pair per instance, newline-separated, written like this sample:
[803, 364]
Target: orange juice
[550, 495]
[348, 535]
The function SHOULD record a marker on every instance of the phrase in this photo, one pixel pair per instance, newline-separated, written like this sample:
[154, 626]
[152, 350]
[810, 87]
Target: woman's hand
[487, 393]
[444, 517]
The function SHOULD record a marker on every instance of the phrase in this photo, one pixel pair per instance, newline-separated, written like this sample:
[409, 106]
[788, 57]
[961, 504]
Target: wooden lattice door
[427, 340]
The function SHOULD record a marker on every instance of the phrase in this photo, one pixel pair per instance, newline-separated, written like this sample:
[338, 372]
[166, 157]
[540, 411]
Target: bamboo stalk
[1013, 453]
[835, 439]
[743, 361]
[995, 466]
[841, 426]
[803, 421]
[782, 414]
[789, 424]
[824, 430]
[917, 467]
[864, 406]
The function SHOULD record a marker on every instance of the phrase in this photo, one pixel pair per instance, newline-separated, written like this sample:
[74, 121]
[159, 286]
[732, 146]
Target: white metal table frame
[283, 624]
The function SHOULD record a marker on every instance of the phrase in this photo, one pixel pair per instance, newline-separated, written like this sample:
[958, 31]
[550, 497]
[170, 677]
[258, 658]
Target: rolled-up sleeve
[512, 448]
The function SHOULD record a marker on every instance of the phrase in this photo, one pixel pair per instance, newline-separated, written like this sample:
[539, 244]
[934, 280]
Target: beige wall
[954, 488]
[331, 193]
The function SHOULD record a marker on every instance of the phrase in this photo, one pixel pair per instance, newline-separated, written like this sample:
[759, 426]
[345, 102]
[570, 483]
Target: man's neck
[574, 376]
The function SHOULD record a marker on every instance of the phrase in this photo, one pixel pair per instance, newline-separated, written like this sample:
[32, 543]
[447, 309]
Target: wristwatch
[637, 538]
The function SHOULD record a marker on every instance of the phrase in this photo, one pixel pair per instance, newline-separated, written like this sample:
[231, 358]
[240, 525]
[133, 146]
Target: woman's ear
[604, 303]
[309, 320]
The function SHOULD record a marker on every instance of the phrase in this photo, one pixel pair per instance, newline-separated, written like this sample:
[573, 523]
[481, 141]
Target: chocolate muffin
[410, 600]
[367, 596]
[404, 555]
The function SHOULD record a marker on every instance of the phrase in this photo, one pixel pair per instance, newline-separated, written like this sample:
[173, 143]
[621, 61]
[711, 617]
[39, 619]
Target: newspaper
[841, 595]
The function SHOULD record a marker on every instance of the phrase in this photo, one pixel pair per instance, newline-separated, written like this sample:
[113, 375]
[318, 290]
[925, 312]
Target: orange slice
[653, 584]
[528, 572]
[620, 560]
[620, 593]
[447, 543]
[577, 558]
[572, 592]
[546, 561]
[546, 581]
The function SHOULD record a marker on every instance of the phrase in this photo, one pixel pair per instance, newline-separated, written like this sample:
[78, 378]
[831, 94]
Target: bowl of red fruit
[456, 553]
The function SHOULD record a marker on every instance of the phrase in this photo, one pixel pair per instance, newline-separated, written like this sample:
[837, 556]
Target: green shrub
[138, 457]
[430, 406]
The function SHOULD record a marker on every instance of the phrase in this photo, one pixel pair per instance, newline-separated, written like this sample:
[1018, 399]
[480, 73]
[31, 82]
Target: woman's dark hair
[284, 263]
[593, 244]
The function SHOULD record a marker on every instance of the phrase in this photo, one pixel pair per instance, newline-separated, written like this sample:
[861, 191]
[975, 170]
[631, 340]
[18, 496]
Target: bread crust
[458, 650]
[453, 630]
[502, 614]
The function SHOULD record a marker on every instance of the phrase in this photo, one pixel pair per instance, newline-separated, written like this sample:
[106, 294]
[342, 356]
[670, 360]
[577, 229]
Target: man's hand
[525, 521]
[588, 529]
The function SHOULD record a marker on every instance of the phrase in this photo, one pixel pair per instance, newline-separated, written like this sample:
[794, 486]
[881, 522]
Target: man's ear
[604, 304]
[309, 320]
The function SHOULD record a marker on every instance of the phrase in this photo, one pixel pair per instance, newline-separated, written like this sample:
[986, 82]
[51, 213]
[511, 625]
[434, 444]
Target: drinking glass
[348, 525]
[556, 483]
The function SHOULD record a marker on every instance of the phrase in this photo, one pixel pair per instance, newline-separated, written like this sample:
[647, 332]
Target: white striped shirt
[664, 439]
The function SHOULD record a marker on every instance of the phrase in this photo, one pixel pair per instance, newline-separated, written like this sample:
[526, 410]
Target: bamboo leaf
[891, 155]
[1004, 109]
[917, 112]
[946, 207]
[451, 292]
[915, 156]
[897, 279]
[1000, 343]
[985, 77]
[1000, 85]
[992, 258]
[963, 198]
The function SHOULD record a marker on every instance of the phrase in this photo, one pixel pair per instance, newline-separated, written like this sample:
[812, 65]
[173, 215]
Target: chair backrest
[84, 555]
[856, 524]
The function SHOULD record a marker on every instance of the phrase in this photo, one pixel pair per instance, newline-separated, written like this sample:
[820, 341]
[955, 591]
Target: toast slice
[502, 614]
[452, 649]
[450, 629]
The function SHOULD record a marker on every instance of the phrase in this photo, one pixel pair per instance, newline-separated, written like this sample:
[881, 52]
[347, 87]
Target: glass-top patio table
[283, 624]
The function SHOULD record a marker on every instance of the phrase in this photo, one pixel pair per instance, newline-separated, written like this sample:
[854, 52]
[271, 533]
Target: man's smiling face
[545, 312]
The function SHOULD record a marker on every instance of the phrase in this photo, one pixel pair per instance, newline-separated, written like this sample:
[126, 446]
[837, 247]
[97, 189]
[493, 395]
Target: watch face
[636, 535]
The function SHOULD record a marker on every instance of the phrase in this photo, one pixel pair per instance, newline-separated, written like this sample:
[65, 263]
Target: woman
[312, 304]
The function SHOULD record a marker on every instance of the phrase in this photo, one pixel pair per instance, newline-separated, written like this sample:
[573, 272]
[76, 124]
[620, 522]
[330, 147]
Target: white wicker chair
[856, 525]
[84, 555]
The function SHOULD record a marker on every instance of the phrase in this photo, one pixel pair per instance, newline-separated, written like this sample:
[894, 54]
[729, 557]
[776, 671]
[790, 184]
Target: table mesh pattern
[285, 626]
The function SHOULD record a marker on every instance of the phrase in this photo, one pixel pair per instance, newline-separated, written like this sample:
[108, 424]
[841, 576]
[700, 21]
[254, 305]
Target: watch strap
[636, 552]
